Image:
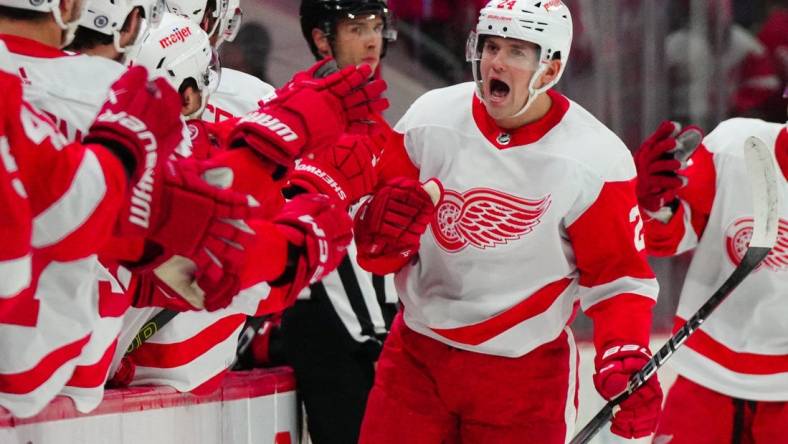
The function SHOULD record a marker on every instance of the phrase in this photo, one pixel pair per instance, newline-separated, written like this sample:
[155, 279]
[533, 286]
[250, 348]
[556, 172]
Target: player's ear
[321, 42]
[68, 8]
[131, 27]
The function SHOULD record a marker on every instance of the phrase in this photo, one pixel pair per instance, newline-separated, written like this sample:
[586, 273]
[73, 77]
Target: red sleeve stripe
[75, 206]
[14, 276]
[93, 375]
[739, 362]
[607, 237]
[591, 296]
[534, 305]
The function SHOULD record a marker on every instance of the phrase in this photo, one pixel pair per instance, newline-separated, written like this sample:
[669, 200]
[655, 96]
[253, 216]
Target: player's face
[507, 66]
[359, 40]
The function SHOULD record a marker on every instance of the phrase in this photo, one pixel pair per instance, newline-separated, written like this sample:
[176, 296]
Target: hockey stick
[763, 180]
[253, 325]
[150, 328]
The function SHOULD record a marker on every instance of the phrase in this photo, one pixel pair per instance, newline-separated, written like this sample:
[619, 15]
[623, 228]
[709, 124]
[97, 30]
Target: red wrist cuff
[625, 318]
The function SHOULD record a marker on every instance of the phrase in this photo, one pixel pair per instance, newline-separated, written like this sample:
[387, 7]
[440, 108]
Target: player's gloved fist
[638, 414]
[318, 232]
[658, 161]
[388, 226]
[140, 123]
[359, 104]
[344, 172]
[309, 115]
[184, 215]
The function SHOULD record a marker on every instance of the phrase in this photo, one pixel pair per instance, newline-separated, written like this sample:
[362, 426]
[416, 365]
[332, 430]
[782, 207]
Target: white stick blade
[765, 197]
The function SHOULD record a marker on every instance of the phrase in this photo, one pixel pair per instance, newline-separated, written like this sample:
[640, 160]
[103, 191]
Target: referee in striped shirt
[334, 333]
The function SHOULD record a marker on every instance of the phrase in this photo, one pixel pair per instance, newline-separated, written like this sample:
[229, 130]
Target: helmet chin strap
[532, 92]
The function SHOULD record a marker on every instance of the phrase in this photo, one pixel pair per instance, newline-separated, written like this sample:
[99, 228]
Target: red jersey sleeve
[75, 191]
[617, 286]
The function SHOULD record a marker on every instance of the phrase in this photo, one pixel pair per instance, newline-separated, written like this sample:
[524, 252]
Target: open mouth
[498, 89]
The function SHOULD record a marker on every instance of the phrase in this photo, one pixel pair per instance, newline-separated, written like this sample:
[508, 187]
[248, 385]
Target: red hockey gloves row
[639, 413]
[658, 162]
[388, 226]
[311, 114]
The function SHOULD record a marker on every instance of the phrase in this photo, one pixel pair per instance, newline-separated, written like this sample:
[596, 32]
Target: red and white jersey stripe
[194, 350]
[742, 349]
[532, 223]
[75, 193]
[86, 385]
[237, 94]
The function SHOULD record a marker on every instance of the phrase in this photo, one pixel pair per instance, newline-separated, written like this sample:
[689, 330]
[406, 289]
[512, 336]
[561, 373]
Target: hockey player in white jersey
[733, 372]
[538, 217]
[113, 29]
[66, 288]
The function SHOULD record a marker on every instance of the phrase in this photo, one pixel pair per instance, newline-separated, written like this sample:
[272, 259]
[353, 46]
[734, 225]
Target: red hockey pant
[694, 414]
[427, 392]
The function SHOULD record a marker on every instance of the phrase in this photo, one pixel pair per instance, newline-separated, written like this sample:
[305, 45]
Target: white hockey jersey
[237, 94]
[532, 222]
[70, 89]
[742, 349]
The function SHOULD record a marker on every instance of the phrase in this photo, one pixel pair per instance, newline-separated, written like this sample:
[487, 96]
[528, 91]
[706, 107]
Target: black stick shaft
[150, 328]
[751, 259]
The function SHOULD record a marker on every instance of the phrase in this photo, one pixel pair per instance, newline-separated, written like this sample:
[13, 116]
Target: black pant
[333, 372]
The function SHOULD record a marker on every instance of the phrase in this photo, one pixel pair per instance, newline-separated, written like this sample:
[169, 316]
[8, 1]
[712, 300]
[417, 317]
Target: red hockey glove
[140, 123]
[640, 412]
[310, 115]
[318, 232]
[658, 162]
[344, 172]
[388, 226]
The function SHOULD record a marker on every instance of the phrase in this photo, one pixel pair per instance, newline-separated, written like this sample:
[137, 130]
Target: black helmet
[324, 14]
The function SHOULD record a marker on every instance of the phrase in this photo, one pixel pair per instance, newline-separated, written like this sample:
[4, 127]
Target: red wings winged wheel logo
[737, 239]
[484, 218]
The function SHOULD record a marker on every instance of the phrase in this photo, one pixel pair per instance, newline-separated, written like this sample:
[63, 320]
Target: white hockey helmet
[108, 17]
[179, 50]
[230, 22]
[53, 7]
[548, 24]
[195, 11]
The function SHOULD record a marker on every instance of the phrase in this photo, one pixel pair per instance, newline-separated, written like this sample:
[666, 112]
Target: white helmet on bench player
[109, 16]
[547, 24]
[179, 50]
[230, 22]
[196, 10]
